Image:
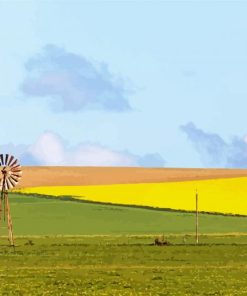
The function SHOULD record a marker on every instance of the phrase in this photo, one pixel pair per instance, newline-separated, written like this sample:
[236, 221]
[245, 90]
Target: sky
[124, 83]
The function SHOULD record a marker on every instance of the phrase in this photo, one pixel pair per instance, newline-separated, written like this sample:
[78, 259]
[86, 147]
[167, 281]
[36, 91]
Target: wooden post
[10, 226]
[5, 211]
[1, 202]
[197, 220]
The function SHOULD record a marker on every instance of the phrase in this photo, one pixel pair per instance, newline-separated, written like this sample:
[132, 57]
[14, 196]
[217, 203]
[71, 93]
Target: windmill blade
[1, 159]
[8, 185]
[10, 160]
[15, 169]
[16, 166]
[13, 184]
[18, 172]
[6, 159]
[14, 178]
[14, 163]
[17, 175]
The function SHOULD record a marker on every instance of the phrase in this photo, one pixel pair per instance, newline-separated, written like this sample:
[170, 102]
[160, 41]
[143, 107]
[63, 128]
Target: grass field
[76, 248]
[119, 266]
[41, 216]
[219, 195]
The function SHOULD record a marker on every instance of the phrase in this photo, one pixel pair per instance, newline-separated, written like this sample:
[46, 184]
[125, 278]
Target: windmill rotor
[10, 172]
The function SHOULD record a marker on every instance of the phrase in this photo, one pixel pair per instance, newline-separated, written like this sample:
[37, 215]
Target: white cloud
[97, 155]
[48, 149]
[51, 149]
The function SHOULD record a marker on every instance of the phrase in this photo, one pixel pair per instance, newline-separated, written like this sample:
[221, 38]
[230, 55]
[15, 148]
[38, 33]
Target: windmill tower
[10, 173]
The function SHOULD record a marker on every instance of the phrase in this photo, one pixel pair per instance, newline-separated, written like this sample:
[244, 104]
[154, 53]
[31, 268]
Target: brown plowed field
[61, 176]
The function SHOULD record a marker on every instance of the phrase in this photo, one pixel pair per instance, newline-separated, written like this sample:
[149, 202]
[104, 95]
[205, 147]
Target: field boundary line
[115, 267]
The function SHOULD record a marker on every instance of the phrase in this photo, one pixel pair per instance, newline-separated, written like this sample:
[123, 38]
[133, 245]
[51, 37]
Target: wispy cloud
[151, 160]
[214, 151]
[51, 149]
[73, 82]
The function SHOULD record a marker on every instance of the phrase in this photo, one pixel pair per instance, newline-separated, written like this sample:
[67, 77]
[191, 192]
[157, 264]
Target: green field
[74, 248]
[41, 216]
[122, 266]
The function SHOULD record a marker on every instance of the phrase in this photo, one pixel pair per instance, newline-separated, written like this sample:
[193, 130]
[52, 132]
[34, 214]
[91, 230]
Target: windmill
[10, 173]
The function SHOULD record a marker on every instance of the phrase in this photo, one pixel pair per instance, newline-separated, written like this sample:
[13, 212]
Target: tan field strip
[76, 176]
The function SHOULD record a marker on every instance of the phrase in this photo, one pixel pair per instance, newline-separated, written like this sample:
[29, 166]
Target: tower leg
[10, 226]
[4, 205]
[1, 209]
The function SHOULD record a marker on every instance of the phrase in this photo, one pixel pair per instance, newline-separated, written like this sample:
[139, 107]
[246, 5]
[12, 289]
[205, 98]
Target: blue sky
[129, 83]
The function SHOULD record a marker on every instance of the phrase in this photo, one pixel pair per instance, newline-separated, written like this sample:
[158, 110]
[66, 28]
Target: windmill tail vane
[10, 174]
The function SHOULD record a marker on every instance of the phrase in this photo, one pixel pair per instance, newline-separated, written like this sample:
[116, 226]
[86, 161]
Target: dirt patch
[62, 176]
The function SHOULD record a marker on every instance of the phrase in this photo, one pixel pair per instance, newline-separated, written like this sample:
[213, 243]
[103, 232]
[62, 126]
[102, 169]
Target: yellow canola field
[219, 195]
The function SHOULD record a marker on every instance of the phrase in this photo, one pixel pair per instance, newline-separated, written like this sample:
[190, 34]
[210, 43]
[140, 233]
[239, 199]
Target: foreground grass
[52, 257]
[125, 265]
[219, 195]
[41, 216]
